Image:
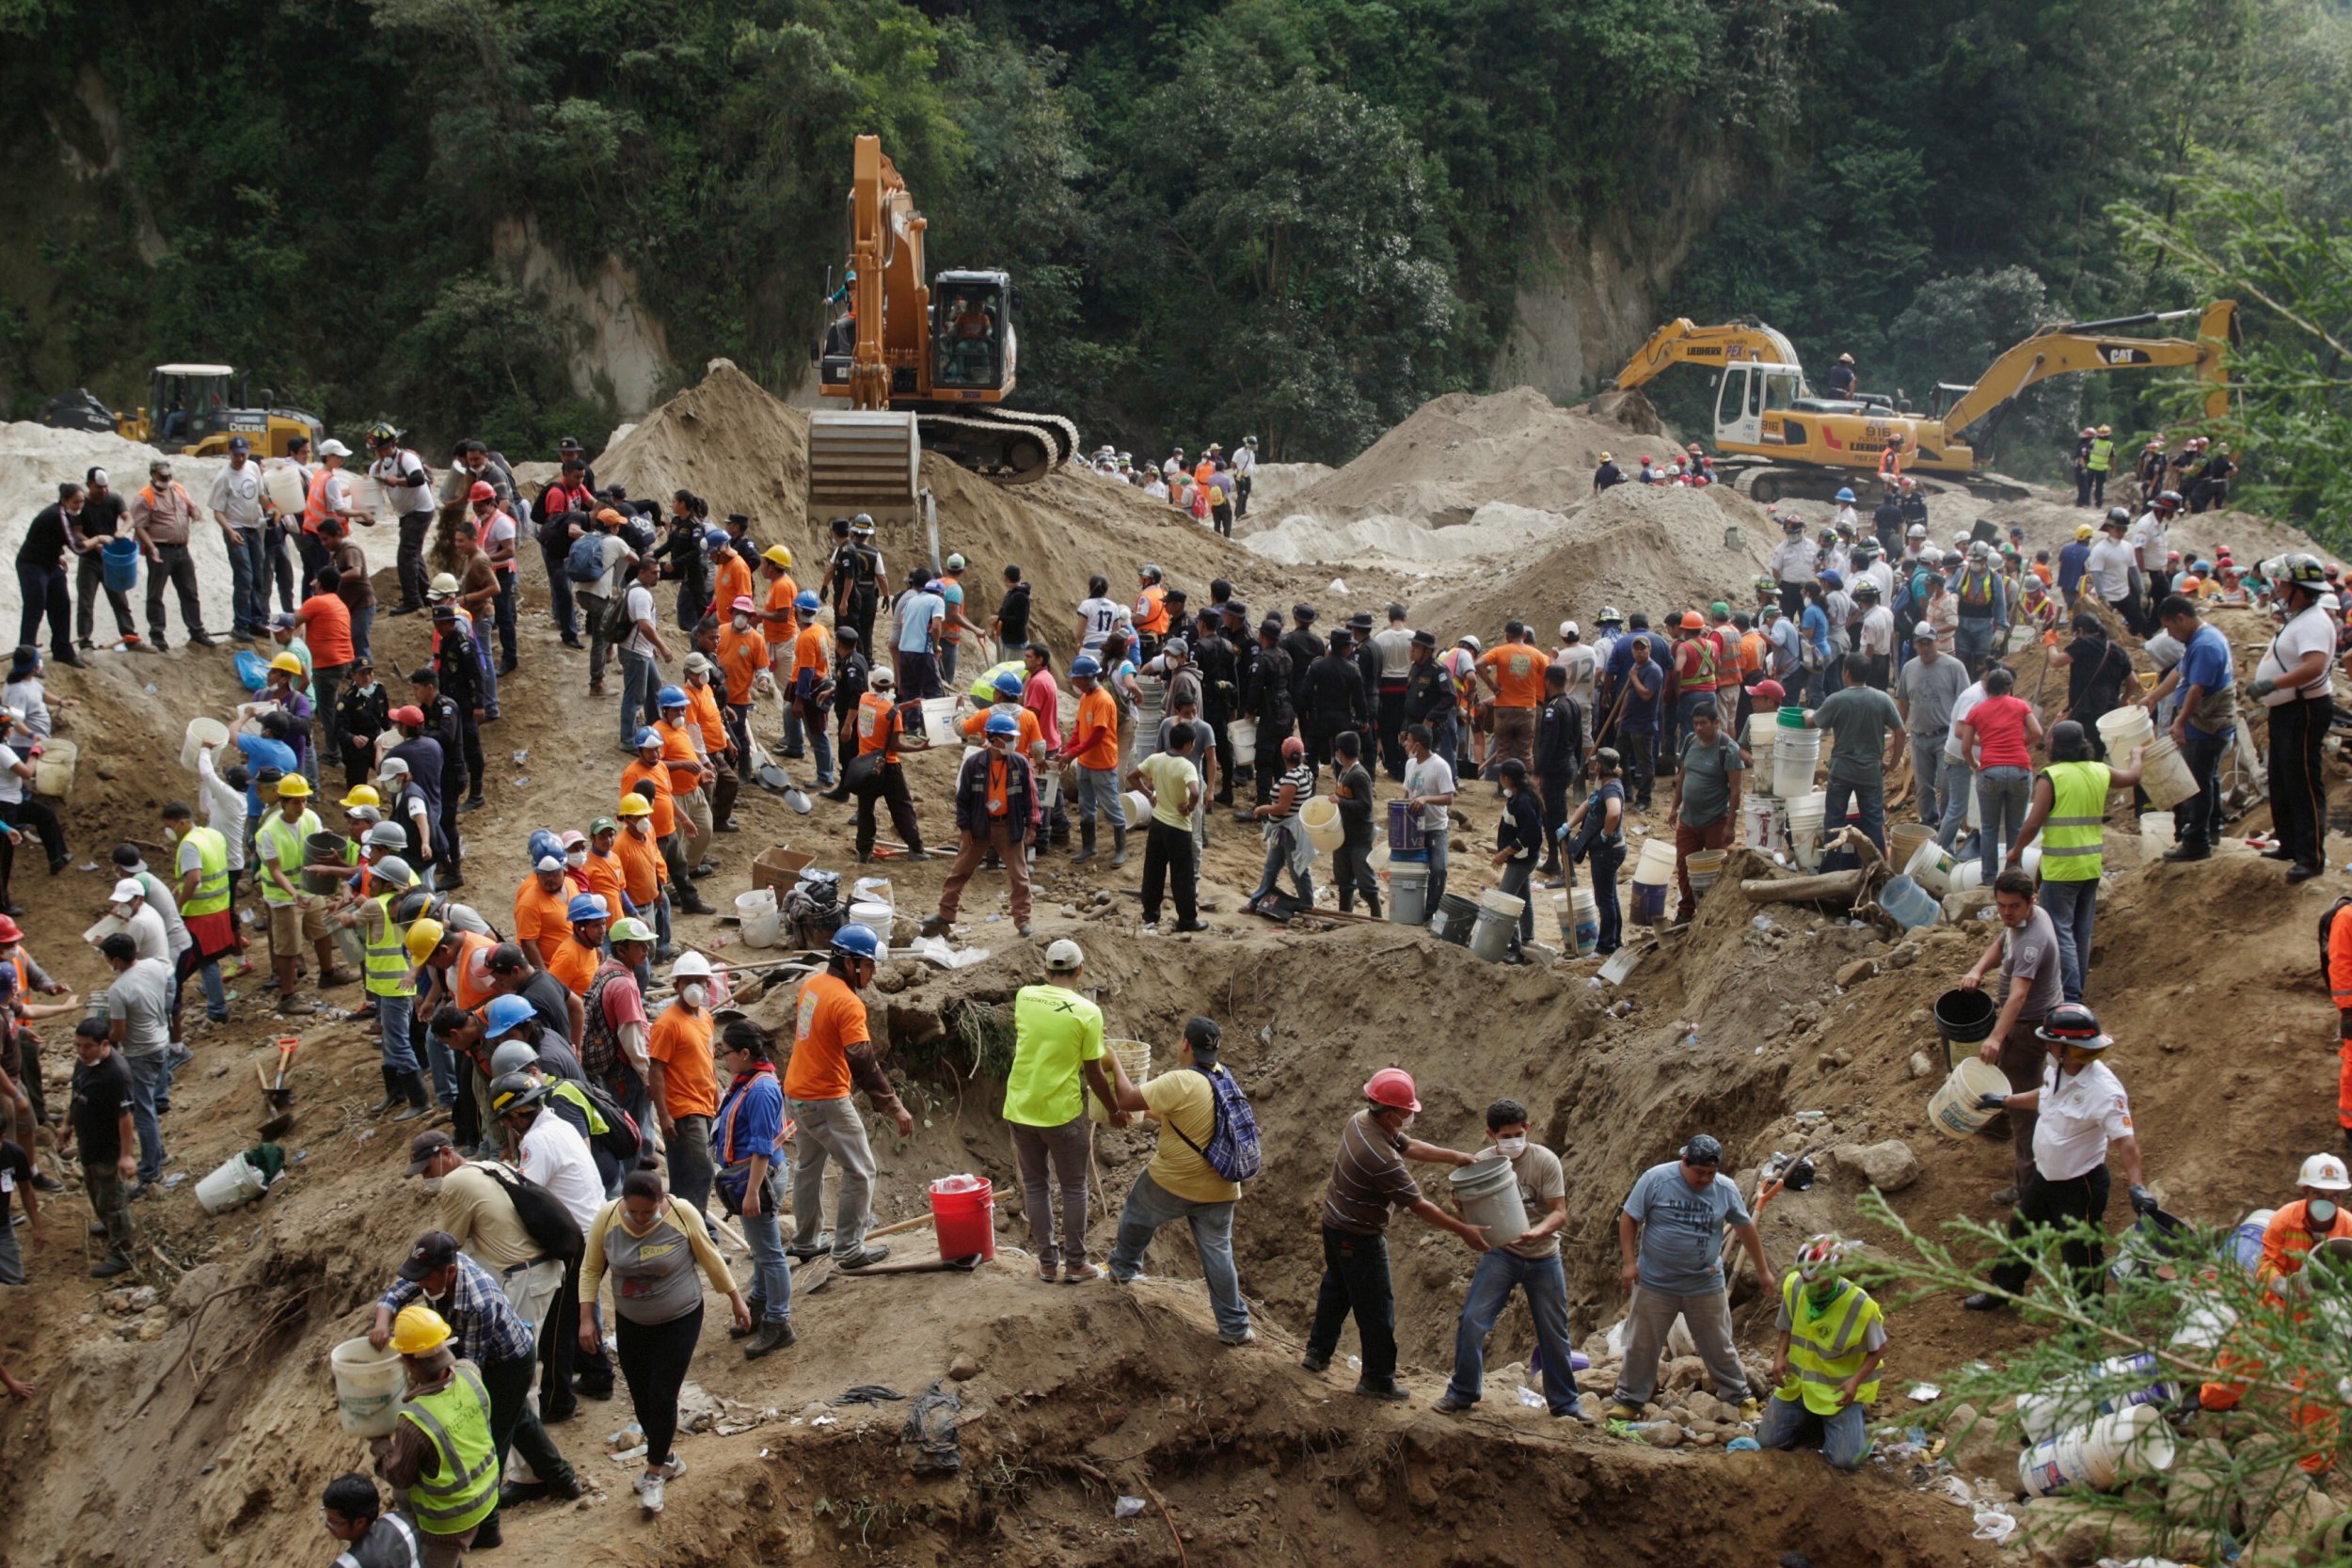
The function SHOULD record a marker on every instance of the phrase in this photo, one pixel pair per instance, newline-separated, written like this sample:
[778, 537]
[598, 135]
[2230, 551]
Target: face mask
[742, 623]
[363, 690]
[432, 1185]
[693, 993]
[2321, 1213]
[576, 859]
[1511, 1148]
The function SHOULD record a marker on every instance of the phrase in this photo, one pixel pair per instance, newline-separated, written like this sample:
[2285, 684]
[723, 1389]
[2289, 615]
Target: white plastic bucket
[1242, 734]
[872, 890]
[231, 1183]
[1804, 844]
[1584, 936]
[1487, 1192]
[1909, 903]
[1807, 811]
[1904, 840]
[1968, 875]
[1953, 1107]
[1320, 816]
[1408, 892]
[2132, 1442]
[200, 730]
[1761, 729]
[2164, 773]
[874, 917]
[1703, 867]
[1761, 820]
[2122, 728]
[368, 1385]
[1136, 1056]
[282, 484]
[1656, 867]
[1138, 808]
[762, 922]
[2113, 1385]
[1494, 930]
[2157, 828]
[1795, 754]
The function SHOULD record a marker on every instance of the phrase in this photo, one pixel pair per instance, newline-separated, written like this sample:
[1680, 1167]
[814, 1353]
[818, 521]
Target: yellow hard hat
[2082, 531]
[2107, 430]
[634, 804]
[286, 662]
[424, 935]
[362, 795]
[776, 555]
[418, 1329]
[294, 786]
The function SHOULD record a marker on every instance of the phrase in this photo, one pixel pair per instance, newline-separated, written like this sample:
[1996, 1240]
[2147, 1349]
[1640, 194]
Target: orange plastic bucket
[965, 1216]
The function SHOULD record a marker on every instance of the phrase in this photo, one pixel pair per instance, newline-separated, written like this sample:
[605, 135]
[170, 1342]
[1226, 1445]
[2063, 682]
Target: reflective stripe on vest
[1826, 1347]
[388, 968]
[212, 874]
[284, 841]
[2071, 833]
[2102, 455]
[572, 1094]
[458, 1424]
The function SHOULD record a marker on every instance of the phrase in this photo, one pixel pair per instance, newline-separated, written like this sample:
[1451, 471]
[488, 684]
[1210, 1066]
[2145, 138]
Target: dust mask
[1510, 1149]
[742, 623]
[432, 1185]
[576, 857]
[693, 993]
[2320, 1212]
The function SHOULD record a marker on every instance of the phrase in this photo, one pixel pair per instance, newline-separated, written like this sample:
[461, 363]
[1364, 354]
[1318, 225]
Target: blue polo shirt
[2207, 662]
[262, 752]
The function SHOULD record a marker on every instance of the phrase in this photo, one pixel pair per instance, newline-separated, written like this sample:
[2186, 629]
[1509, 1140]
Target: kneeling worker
[1825, 1371]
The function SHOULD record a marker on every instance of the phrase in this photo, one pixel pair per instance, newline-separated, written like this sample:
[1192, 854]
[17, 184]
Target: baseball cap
[408, 713]
[549, 862]
[240, 445]
[126, 890]
[1923, 633]
[423, 1146]
[434, 1250]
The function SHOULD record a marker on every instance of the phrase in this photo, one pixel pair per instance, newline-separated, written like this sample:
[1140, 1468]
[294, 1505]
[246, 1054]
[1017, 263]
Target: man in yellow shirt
[1057, 1047]
[1179, 1183]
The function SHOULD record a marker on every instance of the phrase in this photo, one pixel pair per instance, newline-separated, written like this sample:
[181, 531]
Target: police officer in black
[448, 721]
[1219, 687]
[1304, 647]
[1272, 706]
[1559, 759]
[1331, 699]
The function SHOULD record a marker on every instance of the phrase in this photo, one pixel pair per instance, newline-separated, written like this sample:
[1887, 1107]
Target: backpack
[2326, 921]
[1232, 1148]
[585, 561]
[617, 625]
[621, 1137]
[544, 1217]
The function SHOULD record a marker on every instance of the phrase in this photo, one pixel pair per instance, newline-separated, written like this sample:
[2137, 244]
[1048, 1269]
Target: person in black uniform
[1559, 759]
[1272, 706]
[445, 726]
[851, 678]
[1304, 647]
[1219, 684]
[1331, 699]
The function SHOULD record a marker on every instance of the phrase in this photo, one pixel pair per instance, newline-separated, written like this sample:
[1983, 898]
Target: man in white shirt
[1794, 564]
[1581, 663]
[1429, 784]
[2292, 683]
[236, 505]
[1244, 474]
[550, 1151]
[1874, 638]
[407, 484]
[2152, 537]
[145, 925]
[640, 675]
[1957, 785]
[2082, 1114]
[2110, 567]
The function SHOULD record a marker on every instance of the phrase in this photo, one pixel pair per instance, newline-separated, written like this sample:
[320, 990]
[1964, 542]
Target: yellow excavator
[194, 410]
[925, 362]
[1764, 406]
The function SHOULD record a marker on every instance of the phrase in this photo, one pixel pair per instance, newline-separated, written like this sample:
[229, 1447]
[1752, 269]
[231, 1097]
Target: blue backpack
[585, 561]
[1233, 1146]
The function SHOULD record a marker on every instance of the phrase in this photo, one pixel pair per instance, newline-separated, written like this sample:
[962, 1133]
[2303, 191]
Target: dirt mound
[1459, 452]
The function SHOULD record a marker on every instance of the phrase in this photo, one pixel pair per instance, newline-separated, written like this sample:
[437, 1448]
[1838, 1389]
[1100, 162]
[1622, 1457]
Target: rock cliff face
[618, 350]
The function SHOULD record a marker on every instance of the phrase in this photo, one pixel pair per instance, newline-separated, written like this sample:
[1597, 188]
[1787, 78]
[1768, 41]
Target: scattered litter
[1994, 1525]
[522, 756]
[1926, 1393]
[1762, 923]
[150, 688]
[1531, 1398]
[630, 1456]
[826, 1421]
[1743, 1444]
[1355, 1363]
[523, 780]
[1958, 1491]
[936, 950]
[1811, 1118]
[87, 865]
[866, 1393]
[1127, 1508]
[1339, 586]
[930, 1443]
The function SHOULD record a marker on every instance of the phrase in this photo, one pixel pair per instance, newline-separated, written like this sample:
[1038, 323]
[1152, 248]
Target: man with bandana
[1825, 1368]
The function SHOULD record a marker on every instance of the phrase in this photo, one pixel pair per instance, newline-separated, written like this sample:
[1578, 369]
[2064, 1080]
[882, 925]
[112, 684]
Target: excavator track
[1003, 446]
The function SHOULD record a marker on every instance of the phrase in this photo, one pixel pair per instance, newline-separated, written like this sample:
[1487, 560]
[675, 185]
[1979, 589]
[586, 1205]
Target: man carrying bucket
[2032, 985]
[1530, 1261]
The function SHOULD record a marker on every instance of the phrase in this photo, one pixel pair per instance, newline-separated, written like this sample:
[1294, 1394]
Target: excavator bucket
[864, 461]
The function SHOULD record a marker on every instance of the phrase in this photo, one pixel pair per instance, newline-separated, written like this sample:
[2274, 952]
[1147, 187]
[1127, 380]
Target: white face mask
[742, 623]
[693, 993]
[1511, 1148]
[576, 857]
[432, 1185]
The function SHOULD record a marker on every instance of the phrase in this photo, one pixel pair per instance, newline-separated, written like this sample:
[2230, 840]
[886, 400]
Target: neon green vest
[388, 968]
[565, 1089]
[283, 842]
[2102, 455]
[457, 1420]
[2071, 833]
[212, 874]
[1826, 1344]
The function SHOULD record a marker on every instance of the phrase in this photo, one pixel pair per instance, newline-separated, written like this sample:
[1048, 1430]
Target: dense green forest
[1296, 217]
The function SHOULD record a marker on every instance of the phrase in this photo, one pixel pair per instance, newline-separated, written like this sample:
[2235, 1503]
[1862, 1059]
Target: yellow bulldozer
[1765, 409]
[193, 410]
[925, 362]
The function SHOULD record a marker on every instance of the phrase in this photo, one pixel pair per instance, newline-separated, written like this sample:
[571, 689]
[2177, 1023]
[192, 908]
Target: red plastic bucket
[966, 1217]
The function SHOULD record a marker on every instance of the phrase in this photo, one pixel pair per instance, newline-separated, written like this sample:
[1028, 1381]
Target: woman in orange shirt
[701, 708]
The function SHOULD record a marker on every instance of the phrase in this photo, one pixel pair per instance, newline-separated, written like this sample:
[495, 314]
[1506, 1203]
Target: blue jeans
[1149, 1206]
[1838, 795]
[1845, 1436]
[1498, 1274]
[487, 662]
[638, 685]
[1927, 764]
[362, 620]
[2074, 909]
[1437, 840]
[1277, 855]
[444, 1064]
[1955, 784]
[1098, 796]
[392, 1014]
[2002, 794]
[772, 1266]
[151, 1086]
[248, 574]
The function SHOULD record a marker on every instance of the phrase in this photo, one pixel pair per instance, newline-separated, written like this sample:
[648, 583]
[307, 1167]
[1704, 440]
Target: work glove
[2261, 689]
[1993, 1102]
[2143, 1202]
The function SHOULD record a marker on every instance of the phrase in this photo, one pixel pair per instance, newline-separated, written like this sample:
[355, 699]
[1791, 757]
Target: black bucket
[1965, 1017]
[1455, 916]
[318, 849]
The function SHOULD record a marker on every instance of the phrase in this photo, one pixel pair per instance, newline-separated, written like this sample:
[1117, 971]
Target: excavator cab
[971, 339]
[1750, 391]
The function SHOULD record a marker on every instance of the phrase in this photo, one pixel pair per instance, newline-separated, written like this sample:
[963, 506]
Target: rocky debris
[1920, 1066]
[1890, 1166]
[1977, 1449]
[964, 1367]
[1857, 971]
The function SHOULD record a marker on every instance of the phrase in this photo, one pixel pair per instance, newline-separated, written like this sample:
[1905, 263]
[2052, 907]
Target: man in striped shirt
[1368, 1179]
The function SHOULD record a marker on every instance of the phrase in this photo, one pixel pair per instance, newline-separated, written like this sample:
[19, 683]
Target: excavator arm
[1679, 342]
[2088, 346]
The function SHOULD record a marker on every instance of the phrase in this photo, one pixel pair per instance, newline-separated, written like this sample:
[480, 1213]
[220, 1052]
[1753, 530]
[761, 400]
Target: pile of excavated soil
[1273, 485]
[1460, 451]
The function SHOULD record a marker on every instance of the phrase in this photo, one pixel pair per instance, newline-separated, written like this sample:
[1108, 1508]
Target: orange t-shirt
[467, 978]
[604, 878]
[677, 745]
[702, 706]
[575, 964]
[1030, 737]
[540, 916]
[642, 869]
[1750, 652]
[1095, 731]
[664, 801]
[812, 650]
[2042, 571]
[873, 721]
[327, 630]
[735, 583]
[777, 618]
[1519, 675]
[680, 1041]
[830, 1019]
[742, 655]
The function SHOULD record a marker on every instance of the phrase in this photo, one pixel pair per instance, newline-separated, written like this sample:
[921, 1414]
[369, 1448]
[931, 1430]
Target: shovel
[918, 1265]
[770, 775]
[280, 1097]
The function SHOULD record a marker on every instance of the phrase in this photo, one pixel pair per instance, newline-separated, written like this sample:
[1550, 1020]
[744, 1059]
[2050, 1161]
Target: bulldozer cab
[189, 403]
[972, 337]
[1748, 392]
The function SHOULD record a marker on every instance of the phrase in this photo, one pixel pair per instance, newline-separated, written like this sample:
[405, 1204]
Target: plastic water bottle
[1690, 1040]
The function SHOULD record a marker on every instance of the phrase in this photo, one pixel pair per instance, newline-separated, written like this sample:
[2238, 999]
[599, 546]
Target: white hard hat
[1917, 530]
[2325, 1172]
[1064, 956]
[690, 966]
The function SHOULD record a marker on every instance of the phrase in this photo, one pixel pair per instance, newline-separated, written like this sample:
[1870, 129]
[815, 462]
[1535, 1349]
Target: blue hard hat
[1003, 723]
[669, 696]
[1834, 580]
[586, 906]
[1844, 495]
[1007, 684]
[714, 540]
[505, 1013]
[806, 602]
[542, 844]
[859, 941]
[1085, 664]
[645, 737]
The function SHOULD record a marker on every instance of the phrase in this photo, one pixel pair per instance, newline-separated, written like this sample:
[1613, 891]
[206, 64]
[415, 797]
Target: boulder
[1977, 1447]
[1890, 1166]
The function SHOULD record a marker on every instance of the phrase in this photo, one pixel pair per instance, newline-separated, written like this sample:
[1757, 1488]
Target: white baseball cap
[1923, 633]
[131, 887]
[2325, 1172]
[332, 448]
[1568, 628]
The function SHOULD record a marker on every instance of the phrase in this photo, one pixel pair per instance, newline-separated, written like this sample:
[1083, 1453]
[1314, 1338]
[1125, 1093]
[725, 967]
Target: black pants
[1167, 853]
[177, 568]
[413, 577]
[2045, 1202]
[861, 604]
[1555, 793]
[470, 737]
[1217, 719]
[503, 609]
[281, 565]
[1792, 600]
[2299, 790]
[1604, 861]
[44, 591]
[2098, 488]
[559, 1351]
[2201, 814]
[513, 1422]
[28, 1069]
[89, 575]
[654, 1358]
[1269, 765]
[2159, 584]
[1351, 868]
[1392, 722]
[453, 792]
[40, 819]
[560, 603]
[1355, 1279]
[1241, 496]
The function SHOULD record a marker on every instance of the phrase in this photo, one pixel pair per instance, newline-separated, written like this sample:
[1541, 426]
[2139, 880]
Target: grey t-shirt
[1682, 1230]
[1858, 717]
[1541, 1179]
[1707, 778]
[1931, 689]
[141, 997]
[2031, 950]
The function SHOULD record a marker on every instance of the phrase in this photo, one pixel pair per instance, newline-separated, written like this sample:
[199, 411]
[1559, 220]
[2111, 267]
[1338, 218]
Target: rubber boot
[1086, 842]
[391, 1092]
[419, 1095]
[1118, 845]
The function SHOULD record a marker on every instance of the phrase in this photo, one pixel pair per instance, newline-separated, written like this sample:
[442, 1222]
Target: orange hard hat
[480, 492]
[1693, 621]
[1392, 1086]
[10, 932]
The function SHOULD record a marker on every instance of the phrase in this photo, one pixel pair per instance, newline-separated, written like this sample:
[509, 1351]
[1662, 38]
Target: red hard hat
[480, 492]
[1392, 1086]
[10, 930]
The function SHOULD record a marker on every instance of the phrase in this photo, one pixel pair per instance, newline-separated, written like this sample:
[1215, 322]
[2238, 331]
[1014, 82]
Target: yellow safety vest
[457, 1420]
[2071, 833]
[2102, 455]
[211, 873]
[565, 1089]
[286, 843]
[1826, 1344]
[387, 969]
